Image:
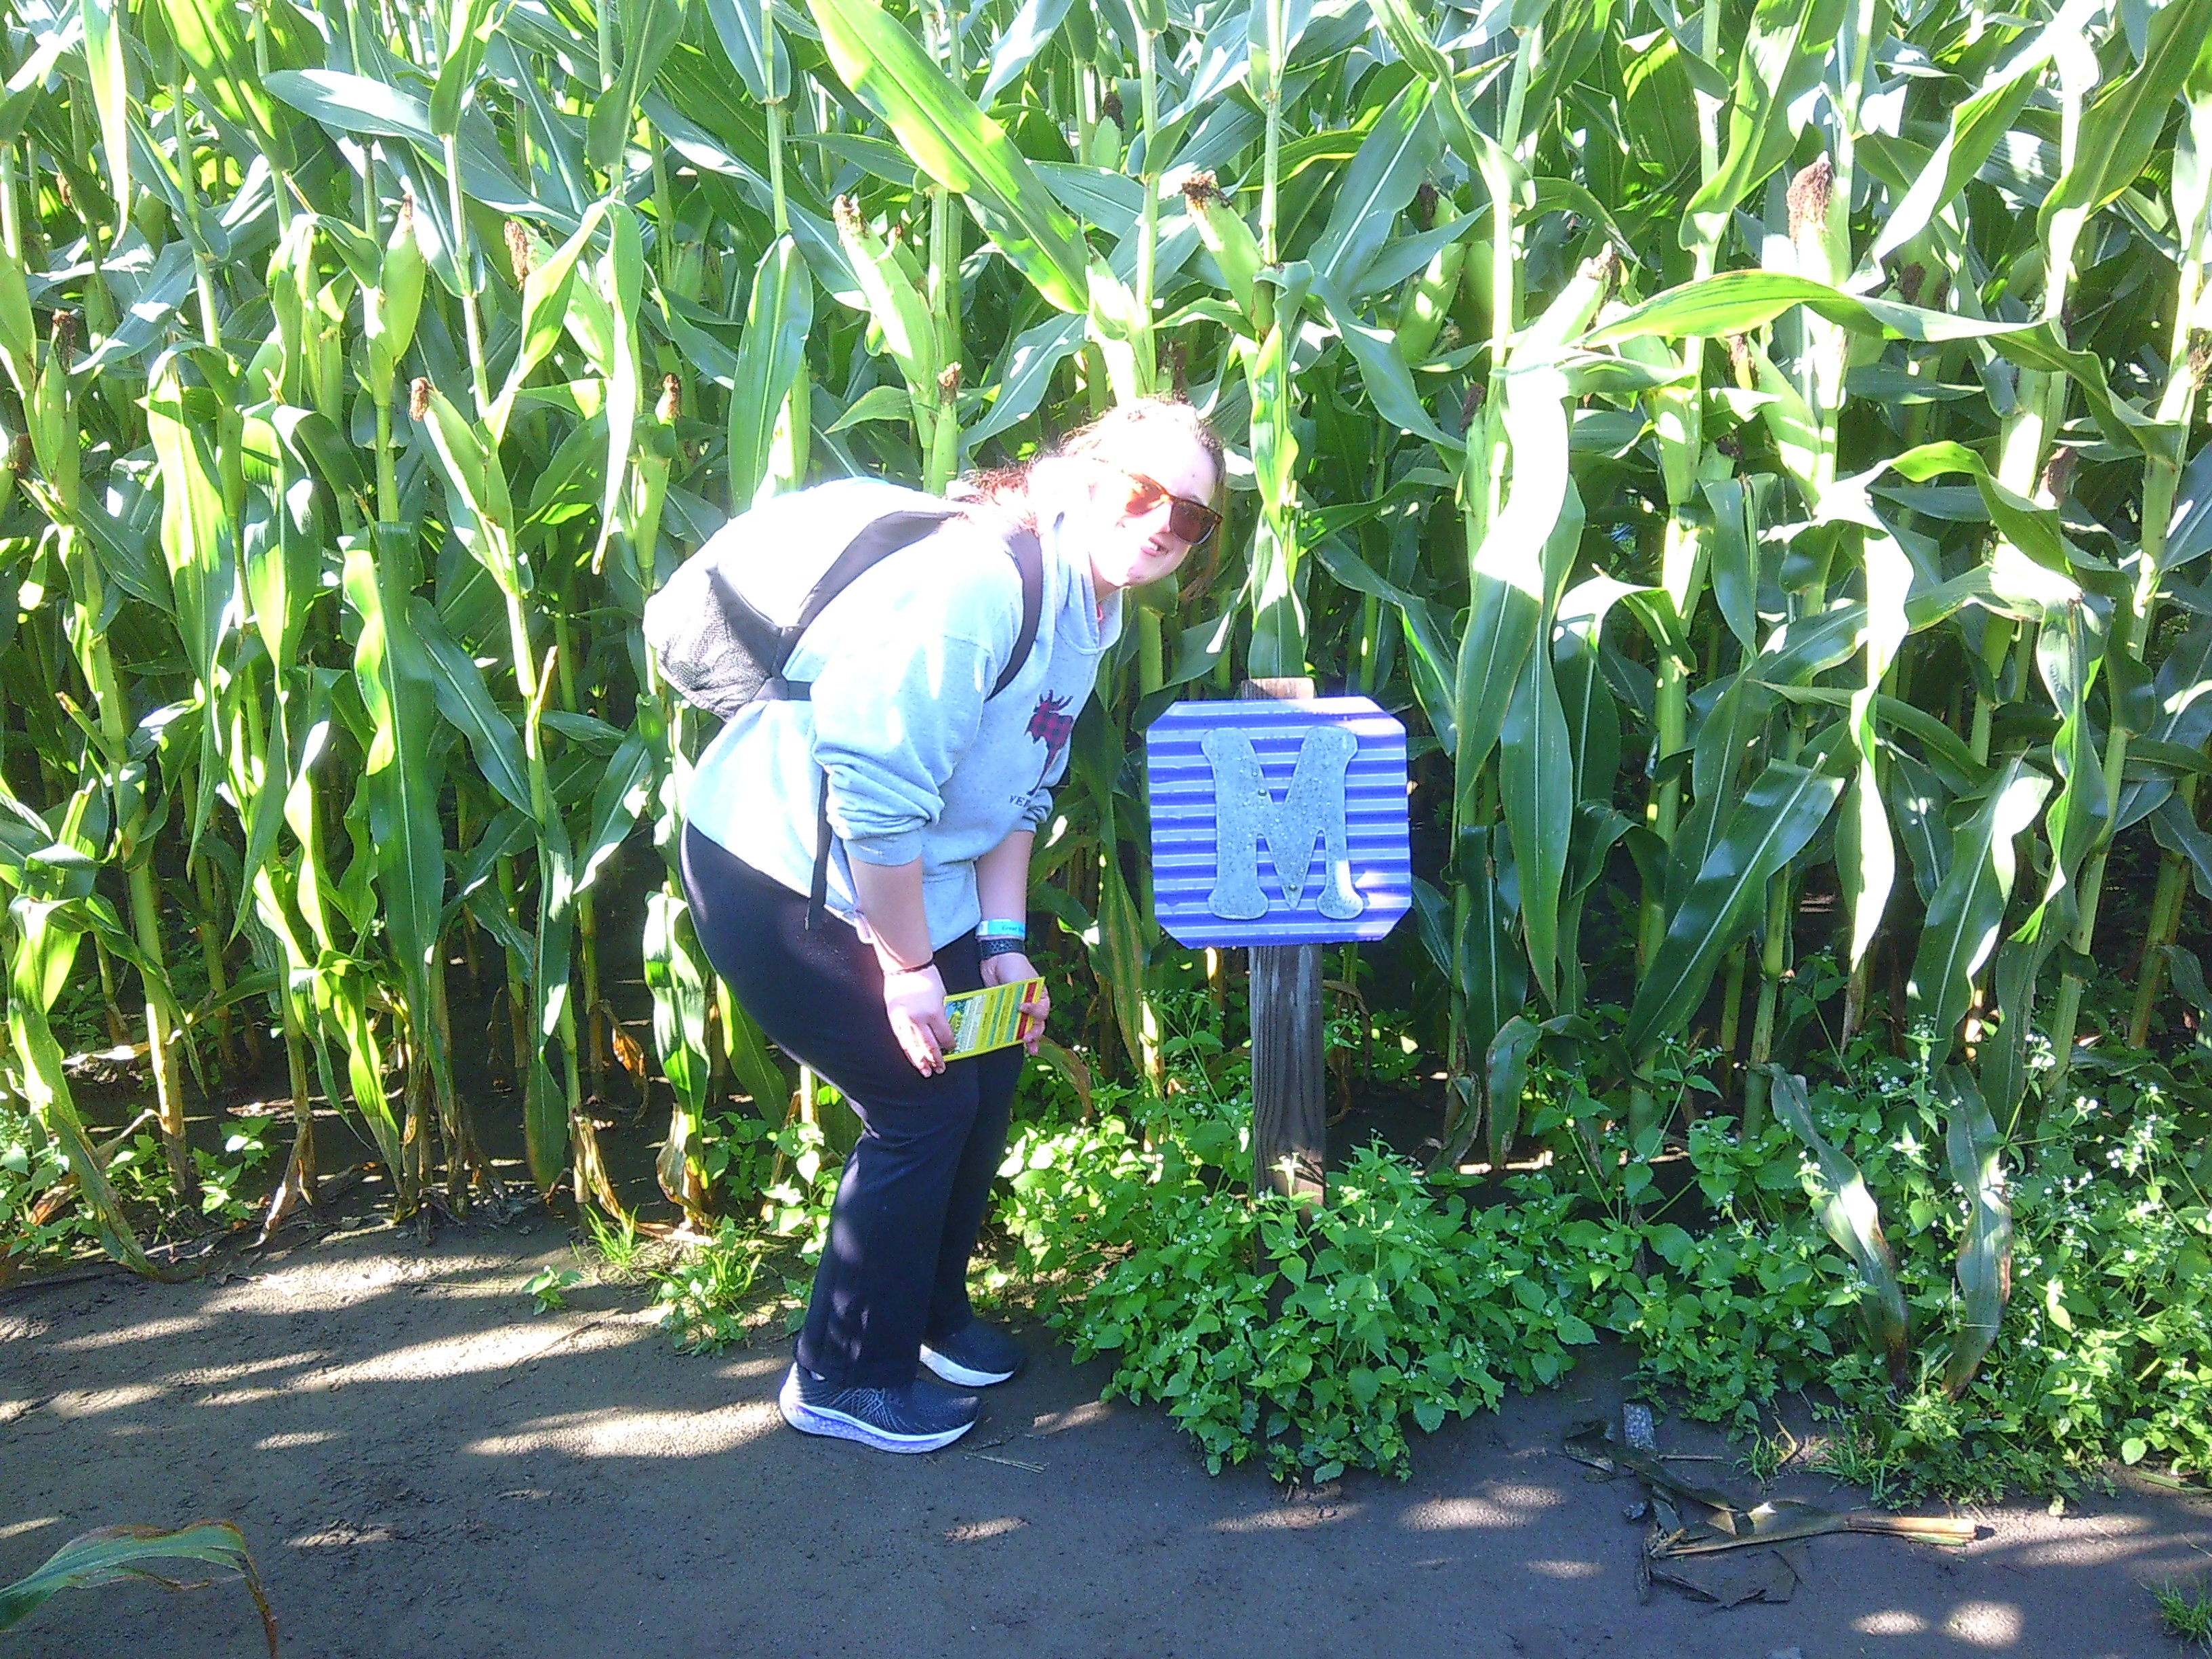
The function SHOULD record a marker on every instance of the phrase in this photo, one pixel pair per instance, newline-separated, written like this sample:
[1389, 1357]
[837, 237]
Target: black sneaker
[913, 1416]
[976, 1356]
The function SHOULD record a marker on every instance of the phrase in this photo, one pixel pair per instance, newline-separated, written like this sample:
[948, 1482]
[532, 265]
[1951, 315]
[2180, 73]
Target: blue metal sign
[1279, 823]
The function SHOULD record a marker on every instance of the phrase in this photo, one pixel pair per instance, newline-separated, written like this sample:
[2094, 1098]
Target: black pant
[895, 1274]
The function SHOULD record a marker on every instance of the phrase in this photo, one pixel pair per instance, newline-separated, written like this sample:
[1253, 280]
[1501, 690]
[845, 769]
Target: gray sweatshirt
[922, 762]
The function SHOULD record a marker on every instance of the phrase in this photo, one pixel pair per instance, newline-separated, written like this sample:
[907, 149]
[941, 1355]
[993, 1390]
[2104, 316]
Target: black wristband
[1002, 947]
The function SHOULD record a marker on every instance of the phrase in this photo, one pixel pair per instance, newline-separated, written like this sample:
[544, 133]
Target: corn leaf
[1762, 832]
[1968, 906]
[1508, 585]
[956, 144]
[1781, 60]
[1849, 1212]
[781, 312]
[110, 1555]
[1984, 1267]
[1536, 786]
[1737, 301]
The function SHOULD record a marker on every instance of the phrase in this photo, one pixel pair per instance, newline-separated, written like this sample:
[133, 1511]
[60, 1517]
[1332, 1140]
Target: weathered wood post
[1290, 1096]
[1308, 778]
[1290, 1075]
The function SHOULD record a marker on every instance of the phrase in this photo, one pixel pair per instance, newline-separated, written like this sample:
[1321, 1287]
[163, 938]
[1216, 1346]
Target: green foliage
[706, 1293]
[1309, 1338]
[31, 1164]
[225, 1175]
[1756, 518]
[1737, 1314]
[779, 1182]
[1316, 1340]
[2101, 1353]
[618, 1248]
[1764, 1456]
[549, 1288]
[2186, 1613]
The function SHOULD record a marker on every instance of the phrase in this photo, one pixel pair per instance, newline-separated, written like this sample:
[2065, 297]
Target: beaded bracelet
[1002, 947]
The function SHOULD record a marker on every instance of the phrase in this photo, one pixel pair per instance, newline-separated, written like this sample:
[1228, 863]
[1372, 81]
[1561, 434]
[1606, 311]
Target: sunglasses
[1190, 522]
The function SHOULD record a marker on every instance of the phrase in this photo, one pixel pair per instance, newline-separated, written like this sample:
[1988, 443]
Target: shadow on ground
[423, 1466]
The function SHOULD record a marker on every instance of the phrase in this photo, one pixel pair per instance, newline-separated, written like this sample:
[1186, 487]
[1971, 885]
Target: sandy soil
[425, 1466]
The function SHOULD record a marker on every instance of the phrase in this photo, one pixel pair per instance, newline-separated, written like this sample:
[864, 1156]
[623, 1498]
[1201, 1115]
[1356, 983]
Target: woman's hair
[1007, 487]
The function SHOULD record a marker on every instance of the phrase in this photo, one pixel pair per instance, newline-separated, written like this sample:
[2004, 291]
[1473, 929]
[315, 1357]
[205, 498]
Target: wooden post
[1289, 1083]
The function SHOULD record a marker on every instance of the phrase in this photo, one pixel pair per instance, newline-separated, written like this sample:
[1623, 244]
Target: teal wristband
[1002, 927]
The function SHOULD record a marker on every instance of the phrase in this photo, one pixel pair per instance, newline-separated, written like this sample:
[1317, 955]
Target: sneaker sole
[958, 1375]
[841, 1426]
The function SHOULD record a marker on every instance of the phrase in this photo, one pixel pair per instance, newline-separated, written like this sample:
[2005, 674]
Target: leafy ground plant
[1310, 1339]
[549, 1286]
[706, 1296]
[1319, 1342]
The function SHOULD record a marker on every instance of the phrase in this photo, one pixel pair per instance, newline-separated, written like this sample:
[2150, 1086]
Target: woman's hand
[1009, 969]
[914, 1000]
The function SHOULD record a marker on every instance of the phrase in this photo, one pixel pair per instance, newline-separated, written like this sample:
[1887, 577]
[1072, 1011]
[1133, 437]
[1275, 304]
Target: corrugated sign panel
[1279, 823]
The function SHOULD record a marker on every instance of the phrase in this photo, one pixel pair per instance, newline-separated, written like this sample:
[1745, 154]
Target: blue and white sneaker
[976, 1356]
[913, 1416]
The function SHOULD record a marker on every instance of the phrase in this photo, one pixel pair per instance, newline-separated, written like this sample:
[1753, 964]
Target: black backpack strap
[882, 537]
[818, 896]
[1029, 558]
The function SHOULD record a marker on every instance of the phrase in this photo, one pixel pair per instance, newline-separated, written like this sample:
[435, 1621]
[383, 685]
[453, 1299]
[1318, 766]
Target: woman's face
[1131, 541]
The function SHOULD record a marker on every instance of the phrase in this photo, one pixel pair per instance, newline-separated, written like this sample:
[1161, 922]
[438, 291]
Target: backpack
[721, 651]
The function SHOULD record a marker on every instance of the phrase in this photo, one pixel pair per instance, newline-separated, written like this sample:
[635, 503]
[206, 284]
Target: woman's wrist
[1002, 936]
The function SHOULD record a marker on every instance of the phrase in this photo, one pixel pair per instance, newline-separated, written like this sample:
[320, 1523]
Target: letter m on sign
[1311, 814]
[1277, 822]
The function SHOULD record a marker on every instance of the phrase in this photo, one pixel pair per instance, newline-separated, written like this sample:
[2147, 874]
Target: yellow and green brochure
[989, 1018]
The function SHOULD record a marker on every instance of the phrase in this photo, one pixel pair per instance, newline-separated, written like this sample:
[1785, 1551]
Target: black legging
[895, 1274]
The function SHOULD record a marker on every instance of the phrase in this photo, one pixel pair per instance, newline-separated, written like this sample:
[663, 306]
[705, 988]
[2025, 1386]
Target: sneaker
[911, 1417]
[976, 1356]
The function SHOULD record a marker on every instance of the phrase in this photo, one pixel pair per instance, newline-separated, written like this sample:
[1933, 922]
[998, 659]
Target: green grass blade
[1393, 161]
[1780, 60]
[466, 703]
[673, 976]
[1507, 585]
[1736, 301]
[402, 774]
[1493, 975]
[107, 59]
[2122, 124]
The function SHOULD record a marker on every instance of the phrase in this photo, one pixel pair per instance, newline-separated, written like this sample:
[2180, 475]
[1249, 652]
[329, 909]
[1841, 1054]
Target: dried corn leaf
[1771, 1576]
[1696, 1520]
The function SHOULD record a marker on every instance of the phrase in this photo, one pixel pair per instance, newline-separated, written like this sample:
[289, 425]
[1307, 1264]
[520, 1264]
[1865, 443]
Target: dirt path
[423, 1466]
